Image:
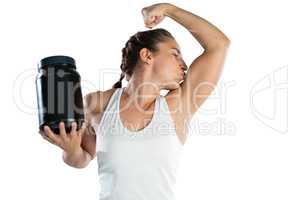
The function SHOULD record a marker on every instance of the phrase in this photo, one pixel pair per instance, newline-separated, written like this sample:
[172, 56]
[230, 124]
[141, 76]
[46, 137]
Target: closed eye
[176, 55]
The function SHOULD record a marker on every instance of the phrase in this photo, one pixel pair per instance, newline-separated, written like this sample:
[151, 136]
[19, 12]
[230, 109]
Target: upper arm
[88, 142]
[92, 108]
[201, 79]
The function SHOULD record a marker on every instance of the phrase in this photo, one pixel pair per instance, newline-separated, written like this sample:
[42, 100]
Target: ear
[146, 56]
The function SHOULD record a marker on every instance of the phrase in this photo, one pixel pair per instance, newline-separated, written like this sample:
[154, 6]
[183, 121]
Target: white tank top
[139, 165]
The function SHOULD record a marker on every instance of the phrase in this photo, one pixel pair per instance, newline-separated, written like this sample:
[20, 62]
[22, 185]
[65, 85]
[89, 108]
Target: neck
[141, 92]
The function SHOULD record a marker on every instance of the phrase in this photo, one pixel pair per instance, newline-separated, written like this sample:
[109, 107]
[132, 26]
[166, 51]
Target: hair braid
[130, 53]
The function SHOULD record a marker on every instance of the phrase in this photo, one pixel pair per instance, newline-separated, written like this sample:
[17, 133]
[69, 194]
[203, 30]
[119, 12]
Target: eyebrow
[178, 51]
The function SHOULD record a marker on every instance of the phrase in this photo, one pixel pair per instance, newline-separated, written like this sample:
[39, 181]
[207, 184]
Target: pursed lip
[182, 74]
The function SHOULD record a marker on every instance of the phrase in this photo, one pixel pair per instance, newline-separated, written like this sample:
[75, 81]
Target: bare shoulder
[94, 105]
[95, 102]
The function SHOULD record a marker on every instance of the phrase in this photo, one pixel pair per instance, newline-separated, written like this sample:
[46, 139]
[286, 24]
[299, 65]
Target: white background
[248, 146]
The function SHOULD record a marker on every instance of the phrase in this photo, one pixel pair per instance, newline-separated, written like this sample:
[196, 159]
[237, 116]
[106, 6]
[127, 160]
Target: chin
[173, 86]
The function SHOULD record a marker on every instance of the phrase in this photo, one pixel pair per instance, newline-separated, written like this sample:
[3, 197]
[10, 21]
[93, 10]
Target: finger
[149, 25]
[155, 21]
[158, 19]
[44, 136]
[149, 19]
[82, 129]
[49, 133]
[48, 139]
[74, 127]
[62, 130]
[42, 132]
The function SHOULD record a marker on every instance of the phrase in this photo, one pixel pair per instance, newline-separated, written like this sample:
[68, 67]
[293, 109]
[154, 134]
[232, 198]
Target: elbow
[81, 166]
[227, 42]
[224, 42]
[221, 44]
[79, 162]
[78, 165]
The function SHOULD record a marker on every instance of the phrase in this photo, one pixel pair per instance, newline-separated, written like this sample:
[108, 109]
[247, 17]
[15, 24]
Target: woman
[139, 159]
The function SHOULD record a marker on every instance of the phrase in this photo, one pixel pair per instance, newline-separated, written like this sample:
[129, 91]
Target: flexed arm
[208, 35]
[205, 70]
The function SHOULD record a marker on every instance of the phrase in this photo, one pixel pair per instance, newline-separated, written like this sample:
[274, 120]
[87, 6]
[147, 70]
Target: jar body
[59, 95]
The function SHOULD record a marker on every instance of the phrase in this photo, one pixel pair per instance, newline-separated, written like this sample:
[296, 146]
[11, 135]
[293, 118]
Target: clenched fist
[154, 14]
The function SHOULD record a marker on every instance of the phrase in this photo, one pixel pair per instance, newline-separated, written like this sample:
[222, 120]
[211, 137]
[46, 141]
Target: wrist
[168, 9]
[74, 153]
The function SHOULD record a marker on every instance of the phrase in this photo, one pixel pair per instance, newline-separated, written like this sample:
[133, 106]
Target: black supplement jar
[59, 93]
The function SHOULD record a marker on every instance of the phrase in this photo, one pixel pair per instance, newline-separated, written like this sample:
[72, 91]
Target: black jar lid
[57, 60]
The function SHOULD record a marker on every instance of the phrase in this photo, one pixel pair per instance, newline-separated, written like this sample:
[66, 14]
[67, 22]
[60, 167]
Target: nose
[183, 65]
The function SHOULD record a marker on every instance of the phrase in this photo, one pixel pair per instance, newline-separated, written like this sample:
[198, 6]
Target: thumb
[144, 11]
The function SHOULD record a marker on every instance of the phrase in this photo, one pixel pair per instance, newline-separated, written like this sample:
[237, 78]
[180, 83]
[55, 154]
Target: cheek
[165, 68]
[167, 65]
[161, 66]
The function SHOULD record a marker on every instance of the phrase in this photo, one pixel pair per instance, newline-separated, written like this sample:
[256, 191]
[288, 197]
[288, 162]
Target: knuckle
[58, 143]
[72, 134]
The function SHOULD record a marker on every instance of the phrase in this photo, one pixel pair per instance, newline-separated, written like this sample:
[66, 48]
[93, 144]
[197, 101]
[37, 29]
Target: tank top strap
[111, 105]
[108, 116]
[147, 128]
[165, 112]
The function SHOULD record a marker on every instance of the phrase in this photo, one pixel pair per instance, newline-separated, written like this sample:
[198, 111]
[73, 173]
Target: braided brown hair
[130, 53]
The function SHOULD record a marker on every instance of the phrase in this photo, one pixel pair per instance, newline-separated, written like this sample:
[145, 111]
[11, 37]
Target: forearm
[79, 159]
[208, 35]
